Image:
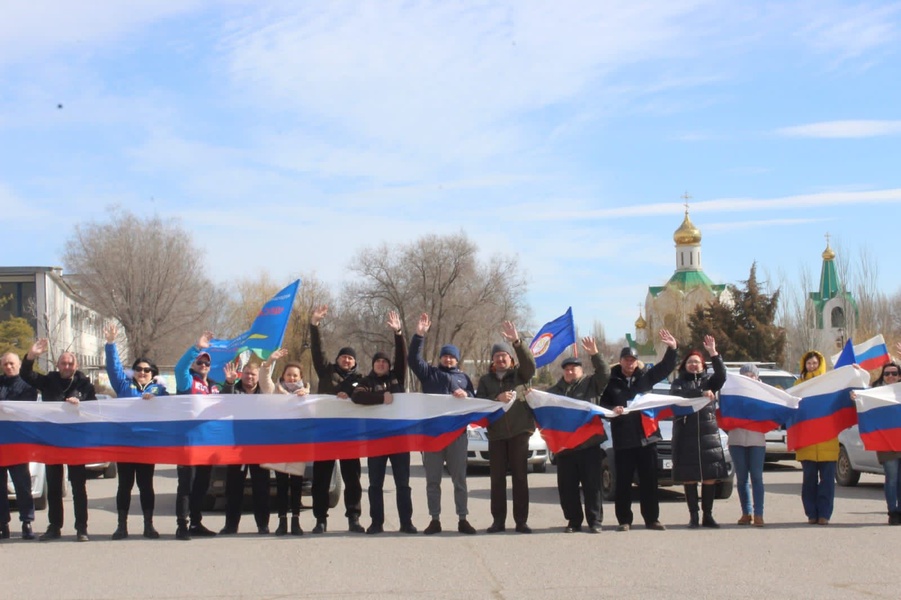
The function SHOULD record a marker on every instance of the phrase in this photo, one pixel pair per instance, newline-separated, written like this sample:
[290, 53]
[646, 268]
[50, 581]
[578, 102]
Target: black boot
[149, 531]
[321, 526]
[353, 525]
[295, 525]
[282, 528]
[707, 494]
[691, 498]
[122, 530]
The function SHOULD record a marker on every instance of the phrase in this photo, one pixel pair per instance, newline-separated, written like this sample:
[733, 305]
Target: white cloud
[843, 129]
[851, 30]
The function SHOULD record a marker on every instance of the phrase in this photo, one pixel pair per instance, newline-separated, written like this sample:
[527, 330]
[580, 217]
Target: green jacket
[519, 418]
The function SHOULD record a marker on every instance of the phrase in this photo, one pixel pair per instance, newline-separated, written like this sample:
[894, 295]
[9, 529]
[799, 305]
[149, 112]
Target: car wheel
[845, 475]
[111, 471]
[539, 467]
[724, 489]
[40, 502]
[608, 480]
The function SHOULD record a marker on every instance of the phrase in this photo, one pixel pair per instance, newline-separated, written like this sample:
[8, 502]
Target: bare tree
[147, 274]
[441, 275]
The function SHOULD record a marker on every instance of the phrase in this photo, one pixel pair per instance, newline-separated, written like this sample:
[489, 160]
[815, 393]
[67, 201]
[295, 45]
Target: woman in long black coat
[697, 450]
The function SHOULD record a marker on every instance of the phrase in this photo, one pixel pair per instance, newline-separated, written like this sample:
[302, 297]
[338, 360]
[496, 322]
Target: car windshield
[783, 382]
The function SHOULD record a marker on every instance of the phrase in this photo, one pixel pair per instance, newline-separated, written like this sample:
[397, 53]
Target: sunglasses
[891, 374]
[202, 363]
[143, 370]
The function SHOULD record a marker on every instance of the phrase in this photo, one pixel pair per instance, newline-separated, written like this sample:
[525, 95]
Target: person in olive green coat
[508, 437]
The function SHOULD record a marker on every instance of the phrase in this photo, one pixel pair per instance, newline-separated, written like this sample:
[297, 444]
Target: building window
[838, 317]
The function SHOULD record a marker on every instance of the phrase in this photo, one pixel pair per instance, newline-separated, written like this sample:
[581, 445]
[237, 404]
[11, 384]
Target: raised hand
[38, 348]
[424, 323]
[509, 332]
[319, 313]
[667, 338]
[393, 321]
[710, 345]
[276, 355]
[110, 331]
[231, 373]
[204, 340]
[589, 345]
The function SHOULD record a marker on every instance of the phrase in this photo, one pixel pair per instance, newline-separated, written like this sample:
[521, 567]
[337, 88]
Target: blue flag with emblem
[264, 336]
[553, 338]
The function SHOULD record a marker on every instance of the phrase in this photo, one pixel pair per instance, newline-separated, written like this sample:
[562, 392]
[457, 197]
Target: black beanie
[379, 355]
[348, 351]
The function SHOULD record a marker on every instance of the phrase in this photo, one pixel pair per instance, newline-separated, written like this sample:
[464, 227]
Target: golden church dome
[687, 232]
[640, 323]
[828, 254]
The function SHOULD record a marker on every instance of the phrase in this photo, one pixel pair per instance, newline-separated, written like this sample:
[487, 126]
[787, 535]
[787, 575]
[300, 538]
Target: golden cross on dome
[686, 197]
[827, 239]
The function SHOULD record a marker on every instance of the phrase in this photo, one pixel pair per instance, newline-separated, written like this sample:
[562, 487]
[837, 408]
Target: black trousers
[234, 494]
[400, 468]
[128, 473]
[351, 471]
[513, 454]
[575, 469]
[193, 483]
[288, 489]
[77, 477]
[628, 461]
[21, 478]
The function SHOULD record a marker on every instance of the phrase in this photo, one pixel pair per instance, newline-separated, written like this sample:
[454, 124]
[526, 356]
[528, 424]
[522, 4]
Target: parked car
[477, 452]
[854, 459]
[215, 496]
[38, 486]
[771, 374]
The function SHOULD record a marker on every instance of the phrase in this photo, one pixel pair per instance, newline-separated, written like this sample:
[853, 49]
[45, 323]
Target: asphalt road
[856, 556]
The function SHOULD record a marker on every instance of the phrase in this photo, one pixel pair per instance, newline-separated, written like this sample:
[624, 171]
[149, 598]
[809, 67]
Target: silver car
[854, 459]
[477, 449]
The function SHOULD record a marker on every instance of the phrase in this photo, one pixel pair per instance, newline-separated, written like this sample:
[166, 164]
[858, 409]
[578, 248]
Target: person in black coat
[378, 387]
[13, 387]
[697, 450]
[248, 383]
[634, 451]
[66, 384]
[338, 378]
[581, 466]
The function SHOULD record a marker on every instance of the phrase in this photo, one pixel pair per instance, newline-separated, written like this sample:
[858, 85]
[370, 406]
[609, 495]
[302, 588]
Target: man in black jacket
[339, 378]
[66, 384]
[13, 387]
[248, 383]
[633, 450]
[379, 387]
[582, 464]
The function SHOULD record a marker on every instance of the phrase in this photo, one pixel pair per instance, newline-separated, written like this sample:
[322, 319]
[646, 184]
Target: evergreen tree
[745, 331]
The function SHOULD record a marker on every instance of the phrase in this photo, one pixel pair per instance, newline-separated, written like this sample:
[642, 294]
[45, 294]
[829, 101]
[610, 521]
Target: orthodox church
[668, 306]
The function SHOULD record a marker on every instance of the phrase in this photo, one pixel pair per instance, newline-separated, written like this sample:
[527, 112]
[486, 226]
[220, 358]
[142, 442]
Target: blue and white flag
[265, 335]
[553, 339]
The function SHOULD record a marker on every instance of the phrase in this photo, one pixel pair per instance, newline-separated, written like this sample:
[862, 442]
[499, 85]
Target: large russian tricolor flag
[565, 422]
[879, 418]
[231, 429]
[747, 403]
[826, 407]
[870, 354]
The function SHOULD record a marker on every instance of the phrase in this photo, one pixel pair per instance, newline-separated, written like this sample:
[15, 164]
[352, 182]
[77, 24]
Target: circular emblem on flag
[541, 344]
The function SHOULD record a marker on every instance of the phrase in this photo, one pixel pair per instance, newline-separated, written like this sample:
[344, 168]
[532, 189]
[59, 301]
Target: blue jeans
[748, 460]
[818, 488]
[892, 485]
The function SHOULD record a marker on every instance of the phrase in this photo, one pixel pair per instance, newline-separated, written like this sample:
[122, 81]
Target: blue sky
[288, 135]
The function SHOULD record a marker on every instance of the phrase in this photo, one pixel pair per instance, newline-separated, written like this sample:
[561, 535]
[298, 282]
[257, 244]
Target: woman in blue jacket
[142, 384]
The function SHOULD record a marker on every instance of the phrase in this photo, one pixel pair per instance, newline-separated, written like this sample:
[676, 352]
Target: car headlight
[473, 434]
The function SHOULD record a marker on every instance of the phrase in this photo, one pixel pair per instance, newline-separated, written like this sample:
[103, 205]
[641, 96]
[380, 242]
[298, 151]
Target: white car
[854, 459]
[38, 486]
[477, 452]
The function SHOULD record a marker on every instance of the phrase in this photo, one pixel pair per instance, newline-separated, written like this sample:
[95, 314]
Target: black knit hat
[379, 355]
[348, 351]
